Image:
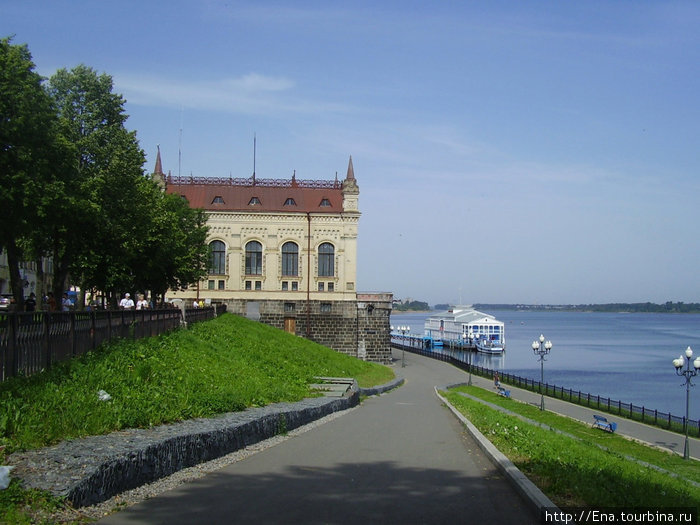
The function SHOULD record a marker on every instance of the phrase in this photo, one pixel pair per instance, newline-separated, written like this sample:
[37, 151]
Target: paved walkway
[399, 458]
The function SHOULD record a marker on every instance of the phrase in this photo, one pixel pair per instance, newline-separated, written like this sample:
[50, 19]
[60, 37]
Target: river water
[623, 356]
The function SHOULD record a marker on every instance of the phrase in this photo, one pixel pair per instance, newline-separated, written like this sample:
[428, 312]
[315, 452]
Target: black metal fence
[33, 341]
[613, 406]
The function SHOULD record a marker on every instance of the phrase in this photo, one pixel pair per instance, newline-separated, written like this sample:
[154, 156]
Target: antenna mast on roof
[254, 144]
[179, 145]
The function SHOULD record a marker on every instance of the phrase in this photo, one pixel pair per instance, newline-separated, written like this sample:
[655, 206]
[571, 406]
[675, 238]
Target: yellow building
[285, 252]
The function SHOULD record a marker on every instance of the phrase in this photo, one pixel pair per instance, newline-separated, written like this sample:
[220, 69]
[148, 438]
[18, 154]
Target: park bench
[503, 392]
[603, 424]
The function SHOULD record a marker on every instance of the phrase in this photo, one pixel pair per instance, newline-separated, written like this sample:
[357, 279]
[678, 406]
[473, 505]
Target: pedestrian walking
[30, 303]
[66, 305]
[127, 303]
[141, 304]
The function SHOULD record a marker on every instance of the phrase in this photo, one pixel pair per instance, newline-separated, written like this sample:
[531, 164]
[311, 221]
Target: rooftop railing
[250, 182]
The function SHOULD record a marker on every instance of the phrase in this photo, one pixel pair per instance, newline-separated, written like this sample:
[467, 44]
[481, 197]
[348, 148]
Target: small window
[325, 203]
[248, 285]
[289, 307]
[211, 284]
[290, 202]
[285, 285]
[254, 201]
[218, 200]
[258, 285]
[320, 287]
[221, 285]
[331, 287]
[326, 308]
[295, 286]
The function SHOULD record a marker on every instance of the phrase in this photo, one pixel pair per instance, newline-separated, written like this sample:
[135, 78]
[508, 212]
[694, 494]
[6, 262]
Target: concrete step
[333, 386]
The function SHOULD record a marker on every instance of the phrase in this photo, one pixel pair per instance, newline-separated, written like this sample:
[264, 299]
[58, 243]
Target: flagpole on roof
[179, 145]
[254, 146]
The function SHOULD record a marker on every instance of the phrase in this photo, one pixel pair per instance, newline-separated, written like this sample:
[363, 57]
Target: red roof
[258, 195]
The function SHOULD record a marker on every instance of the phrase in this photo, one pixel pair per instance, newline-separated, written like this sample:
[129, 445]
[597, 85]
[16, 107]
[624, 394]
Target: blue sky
[524, 151]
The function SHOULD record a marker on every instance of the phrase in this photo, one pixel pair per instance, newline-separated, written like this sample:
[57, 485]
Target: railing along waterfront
[33, 341]
[457, 357]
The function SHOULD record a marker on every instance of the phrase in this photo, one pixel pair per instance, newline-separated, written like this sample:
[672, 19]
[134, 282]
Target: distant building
[35, 279]
[285, 252]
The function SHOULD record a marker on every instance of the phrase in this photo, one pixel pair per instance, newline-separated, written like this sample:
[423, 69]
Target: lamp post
[687, 374]
[470, 336]
[541, 349]
[404, 330]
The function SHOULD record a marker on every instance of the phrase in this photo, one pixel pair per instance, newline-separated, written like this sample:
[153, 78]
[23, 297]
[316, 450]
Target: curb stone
[526, 488]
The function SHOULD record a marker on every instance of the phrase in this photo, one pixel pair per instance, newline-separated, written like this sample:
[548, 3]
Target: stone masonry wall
[373, 327]
[359, 329]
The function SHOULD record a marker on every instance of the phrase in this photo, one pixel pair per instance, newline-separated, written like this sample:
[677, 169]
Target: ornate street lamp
[687, 374]
[541, 349]
[470, 337]
[404, 330]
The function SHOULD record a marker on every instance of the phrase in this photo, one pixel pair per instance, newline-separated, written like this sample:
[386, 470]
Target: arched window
[326, 258]
[290, 259]
[217, 258]
[253, 258]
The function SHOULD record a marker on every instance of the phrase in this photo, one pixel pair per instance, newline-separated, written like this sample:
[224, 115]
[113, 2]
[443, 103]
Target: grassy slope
[223, 365]
[576, 471]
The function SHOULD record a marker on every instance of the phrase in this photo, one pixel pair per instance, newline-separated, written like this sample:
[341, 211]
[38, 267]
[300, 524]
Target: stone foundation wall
[374, 327]
[357, 328]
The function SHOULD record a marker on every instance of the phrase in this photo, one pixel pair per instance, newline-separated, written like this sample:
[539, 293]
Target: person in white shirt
[127, 303]
[142, 304]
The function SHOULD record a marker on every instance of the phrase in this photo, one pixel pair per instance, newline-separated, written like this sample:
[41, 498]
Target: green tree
[29, 151]
[101, 218]
[174, 254]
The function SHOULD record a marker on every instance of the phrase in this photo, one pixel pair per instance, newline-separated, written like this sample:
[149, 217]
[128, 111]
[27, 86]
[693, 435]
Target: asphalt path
[401, 457]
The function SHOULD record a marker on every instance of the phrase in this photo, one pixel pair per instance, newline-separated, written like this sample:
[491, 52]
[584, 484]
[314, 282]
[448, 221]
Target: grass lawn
[223, 365]
[587, 468]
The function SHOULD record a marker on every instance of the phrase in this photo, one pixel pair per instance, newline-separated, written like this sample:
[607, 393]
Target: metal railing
[31, 342]
[612, 406]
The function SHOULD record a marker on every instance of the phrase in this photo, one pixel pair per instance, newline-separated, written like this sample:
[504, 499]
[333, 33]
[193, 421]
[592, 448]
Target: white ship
[465, 326]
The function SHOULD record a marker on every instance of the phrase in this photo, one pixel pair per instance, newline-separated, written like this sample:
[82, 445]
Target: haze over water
[623, 356]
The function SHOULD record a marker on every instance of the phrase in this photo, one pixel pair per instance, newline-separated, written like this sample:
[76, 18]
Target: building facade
[284, 252]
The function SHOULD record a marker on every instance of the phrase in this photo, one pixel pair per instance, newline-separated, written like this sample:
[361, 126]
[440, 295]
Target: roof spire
[159, 165]
[351, 171]
[158, 175]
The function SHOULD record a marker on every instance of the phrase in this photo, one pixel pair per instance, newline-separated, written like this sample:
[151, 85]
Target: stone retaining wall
[93, 469]
[360, 328]
[90, 470]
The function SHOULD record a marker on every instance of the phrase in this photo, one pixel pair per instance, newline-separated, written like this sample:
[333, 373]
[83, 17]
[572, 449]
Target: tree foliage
[73, 187]
[29, 149]
[412, 306]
